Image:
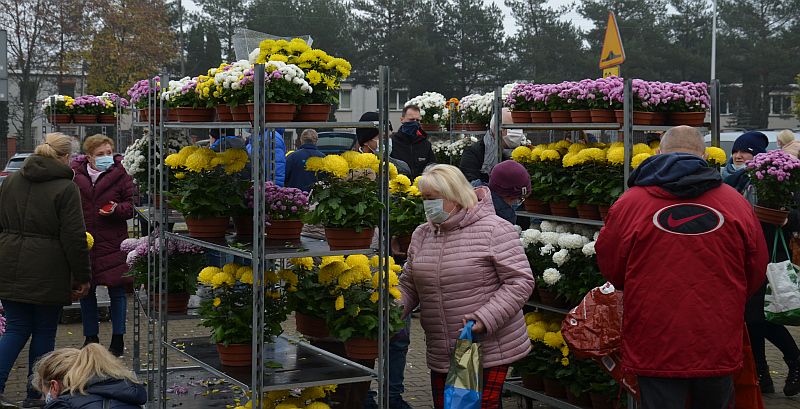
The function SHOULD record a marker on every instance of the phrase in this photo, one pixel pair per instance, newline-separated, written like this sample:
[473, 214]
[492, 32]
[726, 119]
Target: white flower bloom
[562, 228]
[548, 226]
[549, 237]
[546, 250]
[530, 236]
[588, 249]
[253, 56]
[560, 257]
[551, 276]
[596, 235]
[572, 241]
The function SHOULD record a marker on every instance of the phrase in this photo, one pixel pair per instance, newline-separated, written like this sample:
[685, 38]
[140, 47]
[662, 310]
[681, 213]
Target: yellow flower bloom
[400, 184]
[564, 350]
[288, 276]
[247, 277]
[638, 159]
[532, 317]
[241, 271]
[207, 274]
[314, 164]
[550, 154]
[716, 156]
[318, 405]
[339, 302]
[306, 262]
[592, 154]
[221, 279]
[536, 333]
[312, 393]
[392, 171]
[217, 301]
[572, 159]
[395, 292]
[640, 148]
[521, 154]
[231, 268]
[374, 297]
[552, 340]
[413, 191]
[536, 153]
[576, 147]
[89, 240]
[554, 327]
[271, 277]
[563, 144]
[615, 155]
[331, 271]
[180, 175]
[314, 77]
[565, 361]
[175, 160]
[335, 165]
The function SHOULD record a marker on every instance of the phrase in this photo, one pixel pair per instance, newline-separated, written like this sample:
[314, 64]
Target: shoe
[765, 381]
[91, 340]
[792, 386]
[117, 347]
[33, 403]
[6, 404]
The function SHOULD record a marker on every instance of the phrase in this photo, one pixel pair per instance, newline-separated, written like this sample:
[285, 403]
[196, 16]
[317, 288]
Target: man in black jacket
[411, 144]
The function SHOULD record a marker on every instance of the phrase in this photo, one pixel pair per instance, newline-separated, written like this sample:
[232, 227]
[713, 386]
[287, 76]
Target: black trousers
[673, 393]
[778, 335]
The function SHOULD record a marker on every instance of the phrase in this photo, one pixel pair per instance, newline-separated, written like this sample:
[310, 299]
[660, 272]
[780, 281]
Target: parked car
[14, 164]
[726, 139]
[335, 142]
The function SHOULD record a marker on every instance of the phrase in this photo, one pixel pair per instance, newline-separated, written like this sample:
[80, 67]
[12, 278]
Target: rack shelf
[663, 128]
[307, 247]
[86, 125]
[301, 365]
[516, 387]
[191, 315]
[539, 306]
[173, 216]
[566, 126]
[560, 218]
[270, 125]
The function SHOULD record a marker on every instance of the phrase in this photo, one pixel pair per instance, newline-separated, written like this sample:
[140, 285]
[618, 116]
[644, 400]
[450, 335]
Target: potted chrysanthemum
[86, 108]
[284, 208]
[182, 99]
[58, 108]
[406, 212]
[308, 297]
[774, 178]
[111, 103]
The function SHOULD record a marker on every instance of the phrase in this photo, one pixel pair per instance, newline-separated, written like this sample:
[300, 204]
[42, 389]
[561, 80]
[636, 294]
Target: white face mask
[513, 138]
[434, 211]
[739, 167]
[48, 398]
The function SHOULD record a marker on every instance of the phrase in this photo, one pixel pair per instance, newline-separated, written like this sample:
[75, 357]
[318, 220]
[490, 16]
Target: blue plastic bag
[464, 383]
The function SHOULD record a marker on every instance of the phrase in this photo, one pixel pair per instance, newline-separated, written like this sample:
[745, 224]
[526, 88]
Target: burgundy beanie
[510, 179]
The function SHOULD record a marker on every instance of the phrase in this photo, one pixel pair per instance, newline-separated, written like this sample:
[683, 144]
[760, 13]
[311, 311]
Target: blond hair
[74, 368]
[55, 145]
[95, 141]
[785, 136]
[450, 183]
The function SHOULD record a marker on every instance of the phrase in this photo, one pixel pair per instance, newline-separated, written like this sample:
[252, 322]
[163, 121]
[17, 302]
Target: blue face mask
[410, 128]
[102, 163]
[516, 204]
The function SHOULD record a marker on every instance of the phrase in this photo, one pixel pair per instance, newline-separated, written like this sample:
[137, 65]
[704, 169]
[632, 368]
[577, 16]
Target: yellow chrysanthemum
[564, 350]
[314, 164]
[374, 297]
[563, 144]
[89, 240]
[576, 147]
[221, 279]
[400, 184]
[199, 161]
[347, 279]
[550, 154]
[716, 156]
[349, 156]
[335, 165]
[536, 154]
[331, 271]
[288, 276]
[640, 148]
[312, 393]
[395, 292]
[565, 361]
[617, 145]
[554, 326]
[175, 160]
[234, 160]
[615, 155]
[247, 277]
[366, 161]
[286, 405]
[535, 332]
[654, 145]
[306, 263]
[274, 396]
[532, 317]
[313, 77]
[521, 154]
[318, 405]
[207, 274]
[592, 154]
[180, 175]
[392, 171]
[241, 271]
[271, 277]
[217, 301]
[339, 302]
[231, 268]
[375, 260]
[572, 159]
[552, 340]
[638, 159]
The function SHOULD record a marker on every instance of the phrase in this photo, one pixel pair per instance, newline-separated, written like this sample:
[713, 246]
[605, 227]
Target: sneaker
[91, 340]
[5, 403]
[33, 403]
[117, 347]
[765, 381]
[792, 386]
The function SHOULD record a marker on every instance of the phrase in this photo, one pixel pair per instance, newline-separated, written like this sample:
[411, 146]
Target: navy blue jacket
[296, 174]
[120, 394]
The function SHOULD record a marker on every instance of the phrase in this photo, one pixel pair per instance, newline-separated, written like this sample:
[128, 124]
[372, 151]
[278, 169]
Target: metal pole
[162, 249]
[714, 43]
[715, 125]
[262, 170]
[498, 123]
[384, 243]
[627, 129]
[151, 259]
[452, 134]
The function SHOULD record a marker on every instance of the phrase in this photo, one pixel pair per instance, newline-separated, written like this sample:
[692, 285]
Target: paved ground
[417, 375]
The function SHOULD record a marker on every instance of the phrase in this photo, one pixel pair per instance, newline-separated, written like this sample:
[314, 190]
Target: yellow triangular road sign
[613, 53]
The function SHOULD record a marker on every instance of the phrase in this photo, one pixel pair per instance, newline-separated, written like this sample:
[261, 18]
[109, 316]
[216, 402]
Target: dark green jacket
[42, 235]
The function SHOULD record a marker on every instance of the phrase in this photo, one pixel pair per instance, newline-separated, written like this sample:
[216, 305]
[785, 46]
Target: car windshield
[14, 164]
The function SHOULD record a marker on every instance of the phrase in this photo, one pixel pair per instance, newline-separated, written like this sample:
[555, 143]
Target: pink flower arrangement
[139, 91]
[775, 177]
[88, 104]
[282, 203]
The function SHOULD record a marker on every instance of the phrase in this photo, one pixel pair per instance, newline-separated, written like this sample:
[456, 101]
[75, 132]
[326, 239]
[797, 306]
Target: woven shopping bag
[782, 299]
[464, 382]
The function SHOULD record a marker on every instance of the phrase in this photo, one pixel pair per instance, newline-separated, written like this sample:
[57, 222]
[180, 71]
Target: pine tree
[227, 16]
[196, 51]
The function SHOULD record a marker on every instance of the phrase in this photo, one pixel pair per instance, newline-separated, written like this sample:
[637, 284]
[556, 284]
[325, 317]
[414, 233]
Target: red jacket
[686, 266]
[108, 261]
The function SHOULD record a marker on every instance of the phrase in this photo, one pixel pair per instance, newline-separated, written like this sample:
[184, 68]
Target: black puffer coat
[120, 394]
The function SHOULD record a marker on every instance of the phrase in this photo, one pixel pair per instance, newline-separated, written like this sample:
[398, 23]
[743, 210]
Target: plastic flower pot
[348, 239]
[550, 298]
[224, 113]
[280, 112]
[770, 216]
[284, 230]
[207, 227]
[84, 118]
[243, 226]
[554, 388]
[582, 116]
[540, 117]
[659, 118]
[620, 115]
[311, 326]
[600, 116]
[563, 209]
[403, 242]
[60, 118]
[521, 117]
[239, 355]
[188, 114]
[603, 211]
[361, 349]
[431, 127]
[177, 303]
[587, 211]
[106, 119]
[474, 126]
[144, 115]
[533, 382]
[561, 116]
[460, 127]
[687, 118]
[536, 206]
[240, 113]
[172, 115]
[643, 118]
[313, 113]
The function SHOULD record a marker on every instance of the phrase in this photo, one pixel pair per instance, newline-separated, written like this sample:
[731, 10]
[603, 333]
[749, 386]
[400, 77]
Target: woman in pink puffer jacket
[466, 263]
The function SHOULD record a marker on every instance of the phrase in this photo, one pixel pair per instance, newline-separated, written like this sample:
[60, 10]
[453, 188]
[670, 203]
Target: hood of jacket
[466, 217]
[679, 174]
[117, 390]
[39, 168]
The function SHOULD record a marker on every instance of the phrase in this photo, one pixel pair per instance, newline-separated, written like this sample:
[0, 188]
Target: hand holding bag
[464, 383]
[782, 300]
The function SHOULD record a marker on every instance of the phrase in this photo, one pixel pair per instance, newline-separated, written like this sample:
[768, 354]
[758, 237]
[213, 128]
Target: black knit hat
[365, 135]
[753, 142]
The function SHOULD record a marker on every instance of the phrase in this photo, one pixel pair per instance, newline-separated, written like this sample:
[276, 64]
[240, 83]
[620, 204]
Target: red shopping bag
[745, 381]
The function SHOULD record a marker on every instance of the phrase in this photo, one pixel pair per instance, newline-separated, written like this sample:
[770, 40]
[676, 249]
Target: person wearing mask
[280, 155]
[479, 158]
[87, 378]
[107, 196]
[510, 184]
[368, 141]
[745, 148]
[787, 142]
[687, 252]
[296, 174]
[466, 264]
[44, 258]
[411, 144]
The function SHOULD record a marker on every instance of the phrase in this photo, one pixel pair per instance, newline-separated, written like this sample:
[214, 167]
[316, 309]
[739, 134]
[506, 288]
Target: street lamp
[714, 43]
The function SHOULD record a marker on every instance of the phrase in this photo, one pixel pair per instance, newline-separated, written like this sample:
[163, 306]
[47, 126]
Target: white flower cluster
[481, 104]
[174, 88]
[507, 89]
[555, 237]
[551, 276]
[453, 148]
[230, 78]
[134, 160]
[429, 101]
[290, 72]
[58, 98]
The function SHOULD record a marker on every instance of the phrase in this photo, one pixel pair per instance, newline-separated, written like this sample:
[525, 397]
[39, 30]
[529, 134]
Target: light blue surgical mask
[739, 167]
[434, 211]
[102, 163]
[48, 398]
[516, 204]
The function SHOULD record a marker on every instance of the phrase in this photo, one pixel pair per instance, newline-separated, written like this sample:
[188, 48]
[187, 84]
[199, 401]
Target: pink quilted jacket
[471, 263]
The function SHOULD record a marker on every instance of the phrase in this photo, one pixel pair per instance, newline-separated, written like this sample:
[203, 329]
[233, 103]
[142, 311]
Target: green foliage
[406, 213]
[310, 297]
[359, 318]
[181, 276]
[231, 321]
[208, 194]
[595, 183]
[537, 362]
[352, 203]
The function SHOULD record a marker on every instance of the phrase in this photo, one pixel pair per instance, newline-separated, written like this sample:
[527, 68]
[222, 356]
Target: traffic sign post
[613, 53]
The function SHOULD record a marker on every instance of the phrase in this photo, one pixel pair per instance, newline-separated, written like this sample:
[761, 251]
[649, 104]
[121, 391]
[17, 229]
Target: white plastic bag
[782, 299]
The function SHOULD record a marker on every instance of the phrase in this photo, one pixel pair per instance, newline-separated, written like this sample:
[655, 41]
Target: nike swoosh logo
[675, 223]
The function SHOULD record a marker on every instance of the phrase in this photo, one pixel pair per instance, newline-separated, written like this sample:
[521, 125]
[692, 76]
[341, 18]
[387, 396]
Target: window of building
[397, 99]
[344, 99]
[780, 105]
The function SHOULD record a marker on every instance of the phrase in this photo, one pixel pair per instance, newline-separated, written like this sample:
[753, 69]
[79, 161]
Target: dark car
[335, 142]
[14, 164]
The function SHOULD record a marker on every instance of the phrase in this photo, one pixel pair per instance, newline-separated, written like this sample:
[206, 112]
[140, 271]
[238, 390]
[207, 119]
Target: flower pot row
[608, 116]
[471, 126]
[563, 209]
[555, 389]
[356, 348]
[274, 112]
[59, 119]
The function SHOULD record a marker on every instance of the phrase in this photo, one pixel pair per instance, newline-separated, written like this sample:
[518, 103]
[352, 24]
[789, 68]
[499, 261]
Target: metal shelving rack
[627, 127]
[302, 364]
[51, 126]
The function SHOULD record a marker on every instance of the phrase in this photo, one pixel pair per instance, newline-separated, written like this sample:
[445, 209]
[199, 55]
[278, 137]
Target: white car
[726, 139]
[14, 164]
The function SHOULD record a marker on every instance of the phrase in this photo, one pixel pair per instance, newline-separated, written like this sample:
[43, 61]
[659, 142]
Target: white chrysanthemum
[588, 249]
[551, 276]
[562, 228]
[547, 250]
[572, 241]
[596, 235]
[560, 257]
[548, 226]
[549, 237]
[530, 236]
[253, 56]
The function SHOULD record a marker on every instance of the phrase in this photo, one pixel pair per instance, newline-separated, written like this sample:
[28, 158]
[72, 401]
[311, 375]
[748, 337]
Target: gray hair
[685, 139]
[309, 136]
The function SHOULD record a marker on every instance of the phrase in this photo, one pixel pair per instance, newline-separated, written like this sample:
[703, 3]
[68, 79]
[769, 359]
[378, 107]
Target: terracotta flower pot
[361, 348]
[284, 229]
[240, 355]
[563, 209]
[687, 118]
[540, 117]
[460, 127]
[240, 113]
[280, 112]
[313, 113]
[533, 382]
[521, 117]
[84, 118]
[194, 114]
[224, 113]
[600, 401]
[659, 118]
[560, 117]
[580, 116]
[536, 206]
[602, 116]
[403, 242]
[60, 118]
[177, 303]
[106, 119]
[554, 388]
[603, 210]
[311, 326]
[172, 115]
[208, 227]
[580, 400]
[643, 118]
[144, 115]
[431, 127]
[550, 298]
[474, 126]
[243, 226]
[348, 239]
[620, 115]
[770, 216]
[586, 211]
